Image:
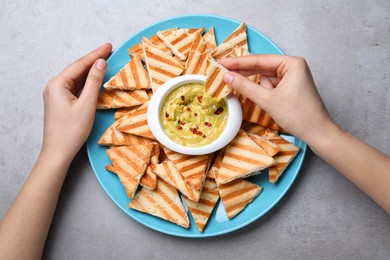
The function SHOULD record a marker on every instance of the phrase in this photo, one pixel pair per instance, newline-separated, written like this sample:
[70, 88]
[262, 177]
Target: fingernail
[228, 78]
[101, 64]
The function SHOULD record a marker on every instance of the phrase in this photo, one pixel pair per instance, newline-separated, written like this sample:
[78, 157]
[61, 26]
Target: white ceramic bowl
[232, 127]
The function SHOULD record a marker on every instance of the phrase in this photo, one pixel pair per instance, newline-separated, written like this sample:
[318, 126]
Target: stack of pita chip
[162, 176]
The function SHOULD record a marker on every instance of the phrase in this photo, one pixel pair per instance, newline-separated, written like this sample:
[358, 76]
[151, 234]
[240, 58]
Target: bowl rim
[232, 126]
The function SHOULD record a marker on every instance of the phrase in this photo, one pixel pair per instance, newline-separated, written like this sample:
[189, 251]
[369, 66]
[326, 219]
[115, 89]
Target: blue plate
[218, 223]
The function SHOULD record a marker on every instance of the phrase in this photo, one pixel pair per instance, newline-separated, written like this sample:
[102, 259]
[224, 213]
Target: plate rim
[245, 223]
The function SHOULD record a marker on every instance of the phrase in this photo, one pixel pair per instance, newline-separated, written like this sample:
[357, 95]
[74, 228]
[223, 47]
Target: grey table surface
[323, 216]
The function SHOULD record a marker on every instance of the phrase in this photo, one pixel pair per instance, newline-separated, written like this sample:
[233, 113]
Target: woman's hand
[70, 104]
[286, 91]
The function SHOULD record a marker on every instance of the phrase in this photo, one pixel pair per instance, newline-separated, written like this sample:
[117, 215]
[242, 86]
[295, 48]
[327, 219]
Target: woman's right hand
[286, 91]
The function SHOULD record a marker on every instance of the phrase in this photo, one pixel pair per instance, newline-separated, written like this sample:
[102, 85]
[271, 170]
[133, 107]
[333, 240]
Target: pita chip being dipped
[215, 86]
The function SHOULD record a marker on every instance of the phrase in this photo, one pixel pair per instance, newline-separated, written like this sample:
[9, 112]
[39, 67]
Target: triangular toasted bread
[196, 63]
[243, 158]
[160, 65]
[137, 50]
[202, 209]
[110, 168]
[217, 164]
[192, 167]
[168, 172]
[130, 163]
[132, 76]
[163, 202]
[237, 194]
[209, 39]
[255, 114]
[287, 153]
[253, 128]
[194, 30]
[154, 160]
[114, 137]
[178, 41]
[109, 99]
[136, 123]
[236, 39]
[267, 146]
[198, 43]
[124, 111]
[149, 179]
[215, 86]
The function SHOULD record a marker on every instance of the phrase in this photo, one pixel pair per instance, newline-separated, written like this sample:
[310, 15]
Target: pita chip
[114, 137]
[130, 163]
[149, 179]
[209, 39]
[109, 99]
[268, 146]
[215, 86]
[191, 167]
[137, 50]
[287, 153]
[202, 209]
[163, 202]
[217, 164]
[178, 41]
[124, 111]
[237, 38]
[196, 63]
[255, 114]
[160, 65]
[253, 128]
[132, 76]
[237, 194]
[136, 123]
[168, 172]
[110, 168]
[194, 30]
[243, 158]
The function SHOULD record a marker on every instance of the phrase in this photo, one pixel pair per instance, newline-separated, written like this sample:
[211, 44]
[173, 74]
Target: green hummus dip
[191, 117]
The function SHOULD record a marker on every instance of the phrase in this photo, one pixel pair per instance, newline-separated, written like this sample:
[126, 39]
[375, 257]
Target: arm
[70, 104]
[287, 82]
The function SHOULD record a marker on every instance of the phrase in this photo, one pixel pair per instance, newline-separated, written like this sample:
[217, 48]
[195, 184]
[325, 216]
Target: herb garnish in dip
[191, 117]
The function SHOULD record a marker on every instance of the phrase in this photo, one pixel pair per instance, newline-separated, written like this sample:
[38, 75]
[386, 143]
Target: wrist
[324, 137]
[54, 158]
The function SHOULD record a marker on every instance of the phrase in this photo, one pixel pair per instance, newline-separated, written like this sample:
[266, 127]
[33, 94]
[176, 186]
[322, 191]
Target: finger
[246, 87]
[92, 85]
[248, 73]
[264, 62]
[266, 82]
[80, 68]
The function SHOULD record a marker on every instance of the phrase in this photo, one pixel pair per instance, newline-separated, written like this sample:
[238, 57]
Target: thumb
[93, 82]
[244, 86]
